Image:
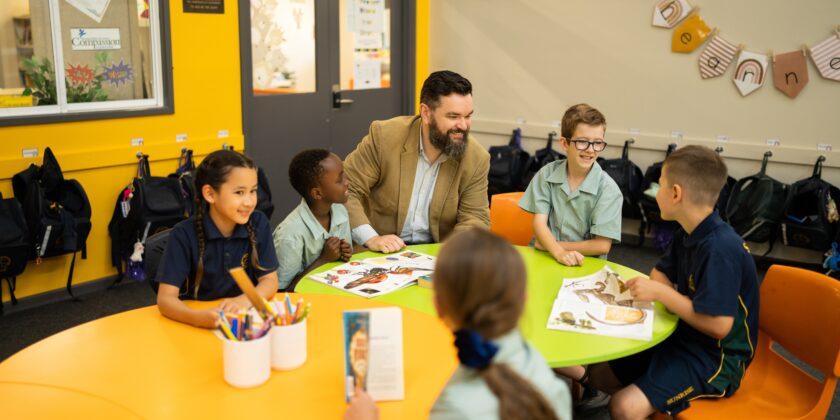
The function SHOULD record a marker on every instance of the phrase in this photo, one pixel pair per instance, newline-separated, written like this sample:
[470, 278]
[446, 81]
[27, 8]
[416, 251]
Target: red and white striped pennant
[826, 56]
[716, 57]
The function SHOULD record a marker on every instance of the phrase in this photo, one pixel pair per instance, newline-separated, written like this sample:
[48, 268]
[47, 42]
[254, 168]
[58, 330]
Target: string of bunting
[790, 69]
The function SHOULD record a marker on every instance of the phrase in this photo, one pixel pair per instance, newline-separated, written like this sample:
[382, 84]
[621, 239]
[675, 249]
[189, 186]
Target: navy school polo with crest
[180, 260]
[714, 268]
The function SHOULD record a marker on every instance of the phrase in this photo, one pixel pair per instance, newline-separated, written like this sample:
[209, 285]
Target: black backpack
[628, 176]
[148, 205]
[541, 158]
[57, 212]
[14, 244]
[506, 165]
[649, 209]
[725, 191]
[184, 175]
[756, 204]
[264, 203]
[805, 221]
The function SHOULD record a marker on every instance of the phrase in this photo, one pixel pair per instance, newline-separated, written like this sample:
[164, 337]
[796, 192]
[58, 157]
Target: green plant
[87, 88]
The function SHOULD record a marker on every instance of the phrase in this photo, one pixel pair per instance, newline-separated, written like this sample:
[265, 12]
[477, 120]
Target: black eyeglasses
[582, 145]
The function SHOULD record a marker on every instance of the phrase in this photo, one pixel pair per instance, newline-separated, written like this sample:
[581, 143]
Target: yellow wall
[421, 49]
[205, 59]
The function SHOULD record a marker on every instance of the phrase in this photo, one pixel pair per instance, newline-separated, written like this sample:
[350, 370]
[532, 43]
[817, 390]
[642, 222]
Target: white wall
[531, 59]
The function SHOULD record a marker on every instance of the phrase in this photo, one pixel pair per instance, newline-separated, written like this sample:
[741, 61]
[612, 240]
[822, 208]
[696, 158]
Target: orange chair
[508, 220]
[800, 310]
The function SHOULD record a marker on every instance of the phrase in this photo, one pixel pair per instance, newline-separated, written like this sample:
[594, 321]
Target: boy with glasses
[576, 205]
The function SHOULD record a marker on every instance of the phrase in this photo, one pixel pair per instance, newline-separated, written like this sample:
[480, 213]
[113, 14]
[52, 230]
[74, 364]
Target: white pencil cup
[288, 346]
[247, 363]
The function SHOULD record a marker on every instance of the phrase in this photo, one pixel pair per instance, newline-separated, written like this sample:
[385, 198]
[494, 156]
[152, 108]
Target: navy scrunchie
[473, 350]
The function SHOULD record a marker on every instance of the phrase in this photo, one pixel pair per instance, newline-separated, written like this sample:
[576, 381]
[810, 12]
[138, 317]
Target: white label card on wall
[722, 138]
[824, 147]
[30, 153]
[557, 124]
[774, 142]
[137, 141]
[180, 138]
[677, 135]
[635, 131]
[520, 120]
[223, 134]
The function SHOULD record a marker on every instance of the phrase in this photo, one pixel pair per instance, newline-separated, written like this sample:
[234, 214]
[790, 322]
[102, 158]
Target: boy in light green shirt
[576, 205]
[318, 230]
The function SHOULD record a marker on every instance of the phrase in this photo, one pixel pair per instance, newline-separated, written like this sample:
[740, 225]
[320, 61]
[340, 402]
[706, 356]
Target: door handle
[337, 100]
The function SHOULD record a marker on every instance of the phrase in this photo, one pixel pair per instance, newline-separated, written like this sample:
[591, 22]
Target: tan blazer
[381, 172]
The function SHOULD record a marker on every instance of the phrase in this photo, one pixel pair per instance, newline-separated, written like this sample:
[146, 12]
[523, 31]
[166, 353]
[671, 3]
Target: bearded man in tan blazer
[416, 179]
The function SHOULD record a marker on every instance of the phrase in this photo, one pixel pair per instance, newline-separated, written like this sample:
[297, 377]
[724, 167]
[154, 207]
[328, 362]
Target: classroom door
[316, 73]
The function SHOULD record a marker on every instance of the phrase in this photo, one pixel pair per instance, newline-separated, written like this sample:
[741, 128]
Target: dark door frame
[408, 20]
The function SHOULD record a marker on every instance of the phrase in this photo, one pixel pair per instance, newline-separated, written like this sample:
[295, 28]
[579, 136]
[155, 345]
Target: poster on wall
[790, 72]
[750, 72]
[367, 74]
[95, 9]
[204, 6]
[369, 15]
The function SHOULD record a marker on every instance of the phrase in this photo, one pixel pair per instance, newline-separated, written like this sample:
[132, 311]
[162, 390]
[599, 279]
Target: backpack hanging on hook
[810, 218]
[540, 158]
[628, 176]
[506, 165]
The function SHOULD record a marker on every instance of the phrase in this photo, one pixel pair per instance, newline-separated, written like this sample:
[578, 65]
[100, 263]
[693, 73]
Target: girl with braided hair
[224, 233]
[479, 284]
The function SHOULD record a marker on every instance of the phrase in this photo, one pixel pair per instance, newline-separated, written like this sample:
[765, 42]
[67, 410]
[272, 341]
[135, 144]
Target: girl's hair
[214, 171]
[479, 282]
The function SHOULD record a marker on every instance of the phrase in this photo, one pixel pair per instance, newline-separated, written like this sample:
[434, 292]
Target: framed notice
[204, 6]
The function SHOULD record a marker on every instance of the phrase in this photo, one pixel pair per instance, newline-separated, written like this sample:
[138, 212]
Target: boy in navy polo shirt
[708, 279]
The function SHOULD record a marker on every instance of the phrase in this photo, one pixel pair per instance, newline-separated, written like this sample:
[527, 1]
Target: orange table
[139, 363]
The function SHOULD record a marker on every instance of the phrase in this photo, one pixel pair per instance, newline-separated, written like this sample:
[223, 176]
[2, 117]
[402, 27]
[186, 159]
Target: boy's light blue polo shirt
[574, 216]
[299, 239]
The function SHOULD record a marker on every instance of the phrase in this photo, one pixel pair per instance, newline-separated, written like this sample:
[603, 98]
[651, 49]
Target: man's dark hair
[443, 83]
[305, 169]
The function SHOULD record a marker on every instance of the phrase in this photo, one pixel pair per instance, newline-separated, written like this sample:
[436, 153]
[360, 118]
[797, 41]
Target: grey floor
[19, 329]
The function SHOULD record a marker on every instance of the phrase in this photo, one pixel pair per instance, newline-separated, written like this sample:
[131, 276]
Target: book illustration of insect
[378, 275]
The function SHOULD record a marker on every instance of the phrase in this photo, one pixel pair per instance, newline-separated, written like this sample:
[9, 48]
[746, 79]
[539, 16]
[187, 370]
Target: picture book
[373, 353]
[377, 276]
[601, 304]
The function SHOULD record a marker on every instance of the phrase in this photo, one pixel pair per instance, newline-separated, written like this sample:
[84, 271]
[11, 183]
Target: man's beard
[443, 142]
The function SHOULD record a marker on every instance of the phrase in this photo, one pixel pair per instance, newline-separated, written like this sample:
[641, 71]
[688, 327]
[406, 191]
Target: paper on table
[383, 371]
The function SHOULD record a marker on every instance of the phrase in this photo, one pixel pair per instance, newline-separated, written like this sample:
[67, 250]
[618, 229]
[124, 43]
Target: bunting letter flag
[750, 72]
[715, 58]
[690, 34]
[826, 56]
[790, 72]
[670, 12]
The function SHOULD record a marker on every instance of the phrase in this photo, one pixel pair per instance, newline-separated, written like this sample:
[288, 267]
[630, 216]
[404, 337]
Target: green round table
[545, 276]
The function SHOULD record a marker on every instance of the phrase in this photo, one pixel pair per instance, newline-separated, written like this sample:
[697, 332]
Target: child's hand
[234, 305]
[207, 318]
[644, 289]
[361, 407]
[569, 258]
[346, 251]
[332, 249]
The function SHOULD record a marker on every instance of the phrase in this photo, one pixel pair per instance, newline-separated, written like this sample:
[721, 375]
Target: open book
[601, 304]
[379, 275]
[373, 353]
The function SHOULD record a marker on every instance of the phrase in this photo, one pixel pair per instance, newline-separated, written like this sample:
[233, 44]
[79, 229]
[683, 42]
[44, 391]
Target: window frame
[161, 103]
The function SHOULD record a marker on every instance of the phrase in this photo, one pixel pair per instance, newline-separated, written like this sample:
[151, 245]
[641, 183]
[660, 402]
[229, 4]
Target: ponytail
[199, 231]
[518, 399]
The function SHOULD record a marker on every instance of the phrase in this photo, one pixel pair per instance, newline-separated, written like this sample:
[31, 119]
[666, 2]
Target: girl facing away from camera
[479, 285]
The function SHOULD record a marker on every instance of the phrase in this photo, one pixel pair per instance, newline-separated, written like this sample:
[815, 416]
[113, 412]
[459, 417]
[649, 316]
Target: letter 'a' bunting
[716, 57]
[826, 56]
[670, 12]
[690, 34]
[750, 72]
[790, 72]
